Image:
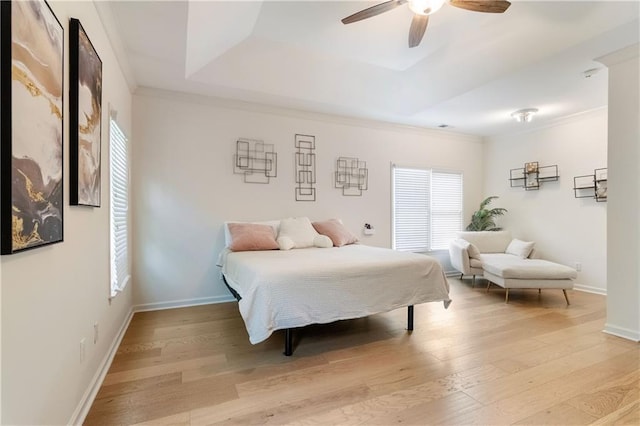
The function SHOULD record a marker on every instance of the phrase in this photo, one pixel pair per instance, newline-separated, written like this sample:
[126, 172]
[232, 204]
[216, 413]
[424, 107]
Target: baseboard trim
[589, 289]
[80, 414]
[625, 333]
[184, 303]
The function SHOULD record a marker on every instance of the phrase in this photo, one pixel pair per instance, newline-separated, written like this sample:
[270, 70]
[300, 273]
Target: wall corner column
[623, 199]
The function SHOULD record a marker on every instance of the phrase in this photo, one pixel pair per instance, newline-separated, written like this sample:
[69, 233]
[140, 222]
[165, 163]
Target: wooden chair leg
[488, 285]
[539, 290]
[473, 281]
[565, 296]
[506, 296]
[461, 275]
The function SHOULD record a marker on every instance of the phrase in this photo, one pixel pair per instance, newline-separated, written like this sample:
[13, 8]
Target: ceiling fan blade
[373, 11]
[418, 27]
[487, 6]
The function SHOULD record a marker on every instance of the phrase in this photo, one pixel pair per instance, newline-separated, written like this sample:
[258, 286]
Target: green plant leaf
[483, 218]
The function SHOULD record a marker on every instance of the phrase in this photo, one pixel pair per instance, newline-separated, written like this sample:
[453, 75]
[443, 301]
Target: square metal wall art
[255, 160]
[352, 176]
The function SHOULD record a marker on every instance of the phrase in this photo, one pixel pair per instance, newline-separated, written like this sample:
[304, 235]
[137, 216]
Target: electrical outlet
[82, 350]
[578, 266]
[95, 333]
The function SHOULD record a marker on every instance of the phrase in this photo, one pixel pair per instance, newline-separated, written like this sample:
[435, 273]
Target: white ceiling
[470, 71]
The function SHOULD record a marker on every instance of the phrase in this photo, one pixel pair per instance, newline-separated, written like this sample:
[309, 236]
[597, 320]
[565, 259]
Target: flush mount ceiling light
[524, 115]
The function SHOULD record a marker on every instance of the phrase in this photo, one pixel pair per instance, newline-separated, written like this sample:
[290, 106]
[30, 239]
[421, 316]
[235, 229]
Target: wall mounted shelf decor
[352, 176]
[531, 175]
[305, 167]
[591, 186]
[255, 160]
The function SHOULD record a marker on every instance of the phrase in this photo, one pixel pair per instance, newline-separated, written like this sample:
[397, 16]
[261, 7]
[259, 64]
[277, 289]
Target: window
[427, 208]
[119, 166]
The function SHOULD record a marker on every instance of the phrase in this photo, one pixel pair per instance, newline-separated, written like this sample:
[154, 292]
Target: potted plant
[484, 218]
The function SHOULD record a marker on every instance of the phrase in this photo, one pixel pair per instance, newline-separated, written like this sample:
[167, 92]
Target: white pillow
[473, 251]
[285, 243]
[299, 230]
[520, 248]
[322, 241]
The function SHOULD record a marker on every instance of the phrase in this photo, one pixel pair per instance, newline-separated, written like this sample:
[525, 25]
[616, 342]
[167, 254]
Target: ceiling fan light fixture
[425, 7]
[524, 115]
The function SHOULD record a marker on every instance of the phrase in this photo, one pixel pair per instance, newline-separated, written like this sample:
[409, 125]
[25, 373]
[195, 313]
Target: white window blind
[427, 208]
[446, 208]
[119, 208]
[411, 209]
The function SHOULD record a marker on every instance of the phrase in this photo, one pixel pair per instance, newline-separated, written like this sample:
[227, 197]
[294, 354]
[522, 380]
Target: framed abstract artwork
[32, 87]
[85, 122]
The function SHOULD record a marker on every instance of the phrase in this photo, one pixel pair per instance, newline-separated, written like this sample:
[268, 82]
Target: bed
[286, 289]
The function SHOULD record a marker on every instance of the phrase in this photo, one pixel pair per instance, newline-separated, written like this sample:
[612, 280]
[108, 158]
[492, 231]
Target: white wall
[52, 296]
[566, 229]
[623, 226]
[185, 187]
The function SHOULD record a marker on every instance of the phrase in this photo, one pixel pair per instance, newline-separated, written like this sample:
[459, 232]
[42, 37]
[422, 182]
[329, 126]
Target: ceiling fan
[423, 8]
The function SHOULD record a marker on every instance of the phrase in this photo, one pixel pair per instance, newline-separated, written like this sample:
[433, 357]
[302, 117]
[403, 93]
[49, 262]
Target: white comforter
[286, 289]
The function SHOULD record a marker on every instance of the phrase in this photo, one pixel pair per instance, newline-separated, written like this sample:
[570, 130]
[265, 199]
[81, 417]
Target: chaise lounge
[507, 262]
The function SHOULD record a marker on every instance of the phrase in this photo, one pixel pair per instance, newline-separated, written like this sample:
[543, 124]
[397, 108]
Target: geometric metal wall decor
[591, 186]
[305, 167]
[31, 126]
[532, 175]
[352, 176]
[256, 160]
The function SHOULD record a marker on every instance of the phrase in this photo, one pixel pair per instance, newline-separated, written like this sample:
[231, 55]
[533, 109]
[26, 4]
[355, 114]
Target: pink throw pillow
[251, 236]
[335, 230]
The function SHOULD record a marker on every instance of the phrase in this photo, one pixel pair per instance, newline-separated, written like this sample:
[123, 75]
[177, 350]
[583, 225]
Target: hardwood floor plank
[609, 397]
[367, 410]
[280, 414]
[320, 378]
[559, 414]
[627, 415]
[180, 419]
[160, 401]
[161, 369]
[431, 412]
[123, 388]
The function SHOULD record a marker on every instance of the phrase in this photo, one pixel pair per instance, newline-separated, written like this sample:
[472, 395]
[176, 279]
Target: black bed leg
[288, 342]
[410, 317]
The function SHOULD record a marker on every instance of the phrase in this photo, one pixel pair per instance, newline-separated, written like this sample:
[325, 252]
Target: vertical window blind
[427, 208]
[119, 163]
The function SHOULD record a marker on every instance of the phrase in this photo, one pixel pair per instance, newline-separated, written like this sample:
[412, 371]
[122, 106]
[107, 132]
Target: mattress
[287, 289]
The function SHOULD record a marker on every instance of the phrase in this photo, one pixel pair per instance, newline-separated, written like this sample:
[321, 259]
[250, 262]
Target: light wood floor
[532, 361]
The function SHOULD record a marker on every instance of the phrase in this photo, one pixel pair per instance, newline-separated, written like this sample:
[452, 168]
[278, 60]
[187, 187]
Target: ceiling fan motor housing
[425, 7]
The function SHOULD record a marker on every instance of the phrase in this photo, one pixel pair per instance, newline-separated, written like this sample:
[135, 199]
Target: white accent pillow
[473, 251]
[285, 243]
[299, 230]
[520, 248]
[322, 241]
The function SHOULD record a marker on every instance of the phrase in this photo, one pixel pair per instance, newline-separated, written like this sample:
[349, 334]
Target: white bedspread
[286, 289]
